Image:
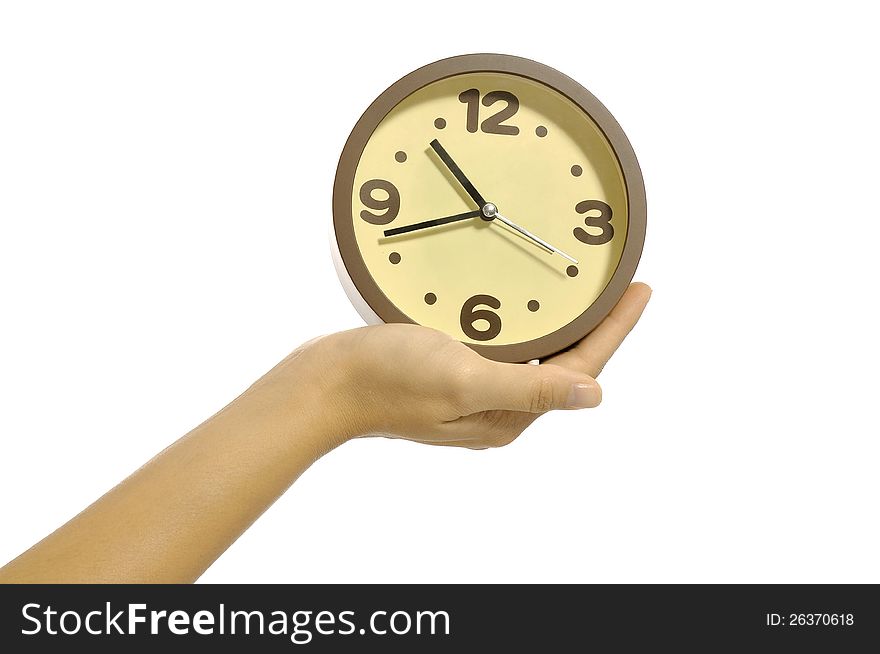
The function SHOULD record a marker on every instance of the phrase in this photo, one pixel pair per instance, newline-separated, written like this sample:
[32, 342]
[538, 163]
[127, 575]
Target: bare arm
[174, 516]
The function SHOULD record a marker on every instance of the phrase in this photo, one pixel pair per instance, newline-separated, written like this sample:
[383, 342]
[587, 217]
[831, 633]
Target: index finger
[592, 352]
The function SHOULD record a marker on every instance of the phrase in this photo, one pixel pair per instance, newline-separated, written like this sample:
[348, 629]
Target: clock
[492, 198]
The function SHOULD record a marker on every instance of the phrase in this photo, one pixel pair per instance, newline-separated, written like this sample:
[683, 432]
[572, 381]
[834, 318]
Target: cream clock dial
[492, 198]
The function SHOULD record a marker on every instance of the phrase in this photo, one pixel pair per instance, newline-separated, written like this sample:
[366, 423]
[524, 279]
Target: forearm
[173, 517]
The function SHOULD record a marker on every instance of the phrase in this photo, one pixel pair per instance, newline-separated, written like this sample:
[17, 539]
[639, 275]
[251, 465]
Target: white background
[165, 180]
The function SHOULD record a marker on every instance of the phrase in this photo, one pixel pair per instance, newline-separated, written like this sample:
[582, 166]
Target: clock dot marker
[572, 271]
[394, 258]
[533, 305]
[400, 156]
[541, 131]
[440, 123]
[576, 170]
[430, 298]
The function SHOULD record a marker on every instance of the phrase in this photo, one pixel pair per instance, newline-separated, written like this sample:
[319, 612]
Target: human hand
[408, 381]
[404, 381]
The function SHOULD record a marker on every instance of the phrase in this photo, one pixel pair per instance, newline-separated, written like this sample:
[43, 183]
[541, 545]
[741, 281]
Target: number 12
[492, 124]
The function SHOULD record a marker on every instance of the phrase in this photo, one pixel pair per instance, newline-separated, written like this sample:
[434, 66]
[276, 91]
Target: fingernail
[584, 396]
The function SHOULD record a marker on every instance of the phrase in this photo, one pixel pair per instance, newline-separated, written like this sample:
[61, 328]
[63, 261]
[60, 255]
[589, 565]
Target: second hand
[491, 211]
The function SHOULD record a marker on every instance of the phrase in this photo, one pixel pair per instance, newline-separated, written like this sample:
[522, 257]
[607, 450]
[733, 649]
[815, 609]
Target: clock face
[489, 204]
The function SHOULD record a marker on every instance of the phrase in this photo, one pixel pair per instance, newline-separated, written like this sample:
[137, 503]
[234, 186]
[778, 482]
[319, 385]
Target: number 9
[391, 205]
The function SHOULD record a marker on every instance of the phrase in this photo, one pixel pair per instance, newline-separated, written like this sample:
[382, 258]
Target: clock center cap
[489, 211]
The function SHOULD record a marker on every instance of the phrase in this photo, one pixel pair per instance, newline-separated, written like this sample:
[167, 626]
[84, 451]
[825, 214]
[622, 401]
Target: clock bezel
[356, 270]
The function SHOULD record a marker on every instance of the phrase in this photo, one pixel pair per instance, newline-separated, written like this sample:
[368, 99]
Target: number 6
[469, 317]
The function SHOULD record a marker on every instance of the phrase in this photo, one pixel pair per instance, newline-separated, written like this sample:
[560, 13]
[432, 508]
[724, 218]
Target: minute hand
[541, 242]
[434, 222]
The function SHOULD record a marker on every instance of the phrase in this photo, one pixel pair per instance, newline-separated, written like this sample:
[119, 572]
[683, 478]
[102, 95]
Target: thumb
[535, 389]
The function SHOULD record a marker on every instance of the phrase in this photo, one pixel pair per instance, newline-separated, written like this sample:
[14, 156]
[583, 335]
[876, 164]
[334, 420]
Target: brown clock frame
[349, 251]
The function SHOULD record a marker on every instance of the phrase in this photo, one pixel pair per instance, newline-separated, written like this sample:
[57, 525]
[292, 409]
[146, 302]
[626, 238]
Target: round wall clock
[493, 198]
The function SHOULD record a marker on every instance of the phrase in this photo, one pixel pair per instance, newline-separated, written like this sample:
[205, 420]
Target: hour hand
[457, 172]
[434, 222]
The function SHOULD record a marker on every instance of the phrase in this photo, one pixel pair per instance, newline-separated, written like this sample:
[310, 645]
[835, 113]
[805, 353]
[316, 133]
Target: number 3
[602, 221]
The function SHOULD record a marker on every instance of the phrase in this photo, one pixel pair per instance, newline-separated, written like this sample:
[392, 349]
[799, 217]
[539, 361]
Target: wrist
[314, 391]
[332, 377]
